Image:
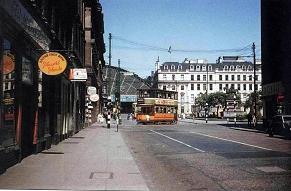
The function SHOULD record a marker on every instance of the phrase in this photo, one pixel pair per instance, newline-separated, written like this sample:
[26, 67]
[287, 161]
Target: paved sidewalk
[96, 158]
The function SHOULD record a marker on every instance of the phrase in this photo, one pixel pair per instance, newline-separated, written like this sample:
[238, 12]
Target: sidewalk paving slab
[96, 158]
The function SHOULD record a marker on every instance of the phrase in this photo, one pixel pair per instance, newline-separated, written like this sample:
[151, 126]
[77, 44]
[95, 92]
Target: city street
[199, 156]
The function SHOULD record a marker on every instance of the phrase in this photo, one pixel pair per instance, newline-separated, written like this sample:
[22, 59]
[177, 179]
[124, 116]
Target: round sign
[91, 90]
[8, 63]
[52, 63]
[94, 97]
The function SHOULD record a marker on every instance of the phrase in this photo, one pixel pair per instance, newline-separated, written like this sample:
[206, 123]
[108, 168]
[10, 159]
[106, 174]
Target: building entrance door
[28, 115]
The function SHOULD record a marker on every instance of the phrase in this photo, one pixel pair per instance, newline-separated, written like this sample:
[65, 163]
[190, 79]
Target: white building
[192, 77]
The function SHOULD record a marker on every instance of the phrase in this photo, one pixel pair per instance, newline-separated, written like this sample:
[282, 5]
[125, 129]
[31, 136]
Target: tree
[250, 101]
[217, 99]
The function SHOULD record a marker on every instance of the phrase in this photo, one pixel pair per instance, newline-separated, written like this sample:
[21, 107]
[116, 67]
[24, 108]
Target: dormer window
[198, 67]
[172, 67]
[225, 68]
[232, 68]
[165, 67]
[249, 68]
[209, 68]
[203, 68]
[180, 67]
[191, 67]
[237, 67]
[243, 68]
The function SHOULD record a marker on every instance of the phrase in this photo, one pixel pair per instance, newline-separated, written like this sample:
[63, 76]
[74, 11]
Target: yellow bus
[156, 106]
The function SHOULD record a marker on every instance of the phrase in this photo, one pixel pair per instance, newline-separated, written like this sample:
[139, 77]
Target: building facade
[37, 109]
[94, 59]
[193, 77]
[276, 46]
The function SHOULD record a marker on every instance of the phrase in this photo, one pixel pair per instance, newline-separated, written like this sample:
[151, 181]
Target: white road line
[232, 141]
[177, 141]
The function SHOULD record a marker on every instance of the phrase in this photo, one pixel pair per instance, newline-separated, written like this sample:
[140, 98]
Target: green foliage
[251, 98]
[217, 98]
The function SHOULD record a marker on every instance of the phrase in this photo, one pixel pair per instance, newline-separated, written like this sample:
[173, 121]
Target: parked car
[280, 124]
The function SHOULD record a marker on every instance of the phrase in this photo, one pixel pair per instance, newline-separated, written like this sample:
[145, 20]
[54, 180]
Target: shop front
[20, 37]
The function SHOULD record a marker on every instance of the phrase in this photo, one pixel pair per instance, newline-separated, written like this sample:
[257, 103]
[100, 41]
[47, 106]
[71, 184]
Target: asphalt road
[199, 156]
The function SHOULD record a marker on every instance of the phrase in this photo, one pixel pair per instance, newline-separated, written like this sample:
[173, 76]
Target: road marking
[177, 141]
[232, 141]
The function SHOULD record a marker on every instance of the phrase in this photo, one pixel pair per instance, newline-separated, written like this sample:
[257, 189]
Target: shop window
[7, 112]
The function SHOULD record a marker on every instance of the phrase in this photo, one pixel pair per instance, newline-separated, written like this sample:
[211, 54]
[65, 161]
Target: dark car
[281, 125]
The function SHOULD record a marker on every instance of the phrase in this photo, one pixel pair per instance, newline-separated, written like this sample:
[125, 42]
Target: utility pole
[255, 92]
[110, 38]
[117, 96]
[109, 105]
[206, 109]
[109, 68]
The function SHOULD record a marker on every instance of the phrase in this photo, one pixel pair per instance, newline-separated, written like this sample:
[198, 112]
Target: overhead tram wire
[146, 47]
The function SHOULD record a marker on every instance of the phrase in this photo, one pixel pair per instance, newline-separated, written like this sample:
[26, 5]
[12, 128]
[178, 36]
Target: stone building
[39, 109]
[192, 77]
[276, 46]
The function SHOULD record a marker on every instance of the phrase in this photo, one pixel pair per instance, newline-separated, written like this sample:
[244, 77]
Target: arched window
[225, 67]
[191, 67]
[198, 67]
[244, 68]
[249, 68]
[165, 67]
[203, 68]
[209, 68]
[180, 67]
[232, 68]
[173, 67]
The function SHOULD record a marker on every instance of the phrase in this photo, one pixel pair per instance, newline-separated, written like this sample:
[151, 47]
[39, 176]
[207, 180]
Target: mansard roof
[219, 66]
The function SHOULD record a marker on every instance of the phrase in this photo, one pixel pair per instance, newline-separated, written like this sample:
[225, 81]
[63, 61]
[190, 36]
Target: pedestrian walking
[254, 121]
[249, 119]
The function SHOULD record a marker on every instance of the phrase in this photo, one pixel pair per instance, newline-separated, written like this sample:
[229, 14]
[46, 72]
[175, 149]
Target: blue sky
[143, 30]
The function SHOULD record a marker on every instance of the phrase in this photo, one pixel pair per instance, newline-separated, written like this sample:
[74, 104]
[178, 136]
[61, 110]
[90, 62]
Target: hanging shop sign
[8, 63]
[52, 63]
[272, 89]
[94, 97]
[78, 74]
[91, 90]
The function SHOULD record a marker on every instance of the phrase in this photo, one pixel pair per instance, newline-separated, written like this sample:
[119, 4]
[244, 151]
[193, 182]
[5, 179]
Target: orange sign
[52, 63]
[8, 63]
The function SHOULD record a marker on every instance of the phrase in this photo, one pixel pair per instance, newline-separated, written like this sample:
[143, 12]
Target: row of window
[203, 67]
[210, 77]
[227, 86]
